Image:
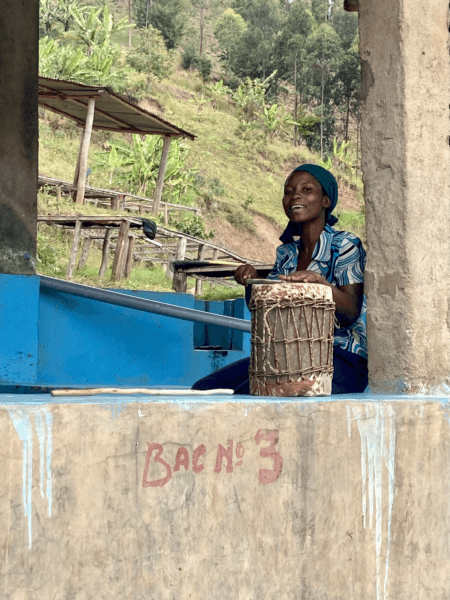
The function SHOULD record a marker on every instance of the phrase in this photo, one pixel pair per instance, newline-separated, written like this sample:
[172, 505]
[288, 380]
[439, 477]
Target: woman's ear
[326, 202]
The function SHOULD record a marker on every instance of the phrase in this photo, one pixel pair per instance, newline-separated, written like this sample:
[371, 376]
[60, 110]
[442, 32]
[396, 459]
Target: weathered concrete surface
[405, 98]
[18, 135]
[352, 503]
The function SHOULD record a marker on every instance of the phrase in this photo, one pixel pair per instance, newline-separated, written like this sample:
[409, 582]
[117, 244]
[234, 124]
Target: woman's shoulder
[344, 238]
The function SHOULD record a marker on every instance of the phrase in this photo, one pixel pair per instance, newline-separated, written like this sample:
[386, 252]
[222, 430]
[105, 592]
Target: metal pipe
[152, 306]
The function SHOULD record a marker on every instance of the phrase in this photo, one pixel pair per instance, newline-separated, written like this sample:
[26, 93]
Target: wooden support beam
[77, 167]
[105, 252]
[161, 174]
[74, 249]
[170, 258]
[81, 183]
[119, 257]
[198, 282]
[180, 279]
[84, 252]
[130, 253]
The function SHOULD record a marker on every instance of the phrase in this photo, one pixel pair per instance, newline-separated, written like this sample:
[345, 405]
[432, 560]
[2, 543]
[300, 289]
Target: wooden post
[166, 214]
[170, 258]
[199, 282]
[180, 279]
[125, 256]
[161, 173]
[84, 252]
[114, 202]
[121, 201]
[215, 255]
[58, 193]
[74, 249]
[105, 252]
[119, 256]
[81, 184]
[130, 255]
[77, 168]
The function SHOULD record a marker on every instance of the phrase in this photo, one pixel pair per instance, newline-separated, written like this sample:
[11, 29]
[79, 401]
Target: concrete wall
[18, 135]
[405, 97]
[316, 500]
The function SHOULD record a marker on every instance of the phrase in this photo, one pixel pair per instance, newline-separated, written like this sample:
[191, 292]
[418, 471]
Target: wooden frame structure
[114, 199]
[116, 235]
[99, 108]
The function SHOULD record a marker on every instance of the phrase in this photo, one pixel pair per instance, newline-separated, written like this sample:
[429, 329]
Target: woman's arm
[347, 298]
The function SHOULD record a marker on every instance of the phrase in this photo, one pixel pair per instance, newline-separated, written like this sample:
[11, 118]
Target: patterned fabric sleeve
[285, 262]
[350, 264]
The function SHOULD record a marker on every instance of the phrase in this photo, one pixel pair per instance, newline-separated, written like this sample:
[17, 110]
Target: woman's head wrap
[330, 188]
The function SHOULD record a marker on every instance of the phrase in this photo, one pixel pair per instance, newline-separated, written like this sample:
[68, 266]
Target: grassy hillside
[240, 176]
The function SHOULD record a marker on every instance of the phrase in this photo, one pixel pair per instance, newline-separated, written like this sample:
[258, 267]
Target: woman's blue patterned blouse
[339, 256]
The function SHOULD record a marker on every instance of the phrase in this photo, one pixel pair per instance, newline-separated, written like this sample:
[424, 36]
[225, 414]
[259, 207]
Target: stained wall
[253, 498]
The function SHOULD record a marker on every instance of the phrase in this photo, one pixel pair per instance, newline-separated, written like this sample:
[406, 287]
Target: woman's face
[303, 199]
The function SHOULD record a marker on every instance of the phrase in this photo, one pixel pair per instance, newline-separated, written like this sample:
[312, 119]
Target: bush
[150, 54]
[192, 59]
[190, 224]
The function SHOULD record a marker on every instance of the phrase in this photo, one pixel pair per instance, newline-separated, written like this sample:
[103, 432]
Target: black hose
[152, 306]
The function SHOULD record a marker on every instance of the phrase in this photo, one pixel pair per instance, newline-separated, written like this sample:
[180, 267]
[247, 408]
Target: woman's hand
[304, 277]
[245, 272]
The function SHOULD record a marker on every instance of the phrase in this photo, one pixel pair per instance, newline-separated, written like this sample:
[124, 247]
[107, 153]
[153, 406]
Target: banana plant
[90, 30]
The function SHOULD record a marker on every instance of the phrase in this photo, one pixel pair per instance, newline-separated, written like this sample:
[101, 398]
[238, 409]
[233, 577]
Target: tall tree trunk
[129, 23]
[295, 101]
[202, 24]
[346, 119]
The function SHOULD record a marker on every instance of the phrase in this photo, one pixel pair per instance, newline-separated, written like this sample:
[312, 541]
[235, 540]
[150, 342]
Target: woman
[322, 255]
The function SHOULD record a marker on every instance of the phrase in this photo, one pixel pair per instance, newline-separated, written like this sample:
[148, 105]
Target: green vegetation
[263, 84]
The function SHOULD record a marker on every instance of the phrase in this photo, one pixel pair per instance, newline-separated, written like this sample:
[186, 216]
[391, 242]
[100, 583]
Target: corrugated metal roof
[112, 112]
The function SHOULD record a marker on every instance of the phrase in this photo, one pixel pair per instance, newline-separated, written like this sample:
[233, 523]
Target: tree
[320, 10]
[254, 55]
[150, 54]
[166, 15]
[347, 81]
[228, 31]
[201, 5]
[346, 26]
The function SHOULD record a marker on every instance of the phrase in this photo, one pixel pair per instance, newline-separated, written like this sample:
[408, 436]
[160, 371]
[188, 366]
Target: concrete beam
[405, 96]
[18, 135]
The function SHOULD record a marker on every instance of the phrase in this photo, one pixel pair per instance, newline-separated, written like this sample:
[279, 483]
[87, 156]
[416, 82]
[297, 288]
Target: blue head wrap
[330, 187]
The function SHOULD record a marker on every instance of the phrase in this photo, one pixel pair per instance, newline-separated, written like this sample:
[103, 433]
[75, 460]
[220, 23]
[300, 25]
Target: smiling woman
[312, 251]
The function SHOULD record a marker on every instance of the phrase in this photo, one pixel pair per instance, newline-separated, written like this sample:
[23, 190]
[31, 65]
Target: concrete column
[405, 96]
[18, 135]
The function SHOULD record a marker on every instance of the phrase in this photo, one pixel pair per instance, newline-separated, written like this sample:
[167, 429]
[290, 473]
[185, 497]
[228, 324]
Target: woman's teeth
[297, 206]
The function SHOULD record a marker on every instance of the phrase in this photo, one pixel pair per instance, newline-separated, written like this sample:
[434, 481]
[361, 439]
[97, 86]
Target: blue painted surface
[19, 312]
[91, 343]
[213, 335]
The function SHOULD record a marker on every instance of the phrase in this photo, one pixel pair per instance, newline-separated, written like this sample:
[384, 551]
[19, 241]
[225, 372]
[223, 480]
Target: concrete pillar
[405, 96]
[19, 25]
